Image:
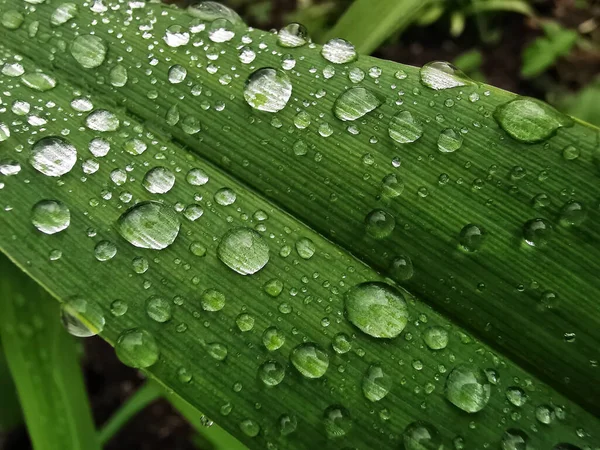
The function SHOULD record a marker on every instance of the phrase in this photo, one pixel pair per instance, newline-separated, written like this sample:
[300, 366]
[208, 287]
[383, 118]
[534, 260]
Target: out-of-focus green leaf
[583, 104]
[10, 409]
[44, 364]
[457, 23]
[544, 51]
[517, 6]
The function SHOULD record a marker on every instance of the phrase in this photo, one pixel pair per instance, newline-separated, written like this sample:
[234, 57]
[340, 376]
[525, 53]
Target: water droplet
[105, 250]
[246, 55]
[102, 120]
[570, 152]
[537, 232]
[310, 360]
[513, 439]
[38, 81]
[341, 343]
[516, 395]
[82, 318]
[339, 51]
[467, 388]
[436, 338]
[471, 237]
[177, 74]
[176, 36]
[273, 339]
[217, 351]
[99, 147]
[245, 322]
[379, 224]
[287, 424]
[305, 248]
[118, 308]
[376, 383]
[159, 180]
[293, 35]
[118, 76]
[51, 216]
[89, 51]
[158, 309]
[440, 75]
[544, 414]
[53, 156]
[12, 20]
[197, 177]
[149, 225]
[337, 421]
[271, 373]
[529, 120]
[273, 287]
[268, 89]
[212, 300]
[449, 140]
[9, 167]
[225, 197]
[421, 435]
[63, 14]
[401, 268]
[250, 428]
[210, 11]
[243, 250]
[354, 103]
[137, 348]
[572, 214]
[4, 132]
[221, 30]
[377, 309]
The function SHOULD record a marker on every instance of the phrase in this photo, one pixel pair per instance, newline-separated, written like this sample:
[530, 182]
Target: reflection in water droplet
[436, 338]
[529, 120]
[137, 348]
[158, 309]
[376, 383]
[467, 388]
[149, 225]
[471, 237]
[377, 309]
[337, 421]
[81, 317]
[537, 232]
[102, 120]
[271, 373]
[440, 75]
[243, 250]
[449, 140]
[379, 224]
[422, 435]
[268, 90]
[293, 35]
[310, 360]
[339, 51]
[89, 51]
[159, 180]
[53, 156]
[51, 216]
[354, 103]
[404, 128]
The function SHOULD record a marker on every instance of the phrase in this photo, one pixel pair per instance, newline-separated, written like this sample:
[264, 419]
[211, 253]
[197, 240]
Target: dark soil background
[159, 427]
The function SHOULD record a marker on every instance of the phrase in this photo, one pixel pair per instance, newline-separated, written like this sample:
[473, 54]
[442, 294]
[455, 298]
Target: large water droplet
[176, 36]
[537, 232]
[81, 317]
[471, 237]
[212, 300]
[118, 76]
[355, 103]
[436, 338]
[377, 309]
[158, 309]
[421, 435]
[53, 156]
[271, 373]
[440, 75]
[404, 128]
[273, 338]
[159, 180]
[449, 140]
[376, 383]
[243, 250]
[530, 120]
[293, 35]
[513, 439]
[210, 11]
[268, 89]
[379, 224]
[137, 348]
[51, 216]
[221, 30]
[102, 120]
[89, 51]
[337, 421]
[12, 19]
[310, 360]
[149, 225]
[63, 14]
[467, 388]
[38, 81]
[339, 51]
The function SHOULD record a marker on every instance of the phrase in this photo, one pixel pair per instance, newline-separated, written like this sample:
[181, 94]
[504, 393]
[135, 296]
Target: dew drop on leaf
[401, 268]
[273, 338]
[212, 300]
[310, 360]
[287, 424]
[159, 180]
[176, 36]
[250, 428]
[12, 19]
[436, 338]
[355, 103]
[537, 232]
[89, 51]
[449, 140]
[471, 237]
[118, 76]
[137, 348]
[516, 396]
[102, 120]
[221, 30]
[51, 216]
[225, 196]
[243, 250]
[105, 250]
[38, 81]
[271, 373]
[339, 51]
[513, 439]
[292, 35]
[376, 384]
[441, 75]
[404, 128]
[273, 287]
[150, 225]
[337, 421]
[421, 435]
[467, 388]
[53, 156]
[379, 224]
[377, 309]
[158, 309]
[268, 89]
[305, 248]
[81, 317]
[209, 11]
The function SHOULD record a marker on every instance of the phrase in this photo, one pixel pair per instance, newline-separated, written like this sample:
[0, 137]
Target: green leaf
[543, 52]
[168, 232]
[44, 364]
[10, 413]
[583, 104]
[367, 27]
[517, 6]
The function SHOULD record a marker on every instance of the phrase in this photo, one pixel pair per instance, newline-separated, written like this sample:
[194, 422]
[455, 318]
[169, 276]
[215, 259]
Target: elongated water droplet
[63, 14]
[376, 383]
[355, 103]
[268, 89]
[404, 128]
[137, 348]
[337, 421]
[271, 373]
[467, 388]
[529, 120]
[38, 81]
[293, 35]
[339, 51]
[81, 317]
[102, 120]
[89, 51]
[243, 250]
[440, 75]
[377, 309]
[149, 225]
[210, 11]
[53, 156]
[310, 360]
[421, 435]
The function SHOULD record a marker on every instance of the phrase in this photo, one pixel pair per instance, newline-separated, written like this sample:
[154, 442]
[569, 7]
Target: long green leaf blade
[311, 306]
[44, 363]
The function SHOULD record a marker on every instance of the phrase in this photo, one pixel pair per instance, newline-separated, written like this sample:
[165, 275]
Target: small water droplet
[273, 338]
[118, 308]
[404, 128]
[537, 232]
[449, 140]
[339, 51]
[102, 120]
[177, 74]
[212, 300]
[53, 156]
[245, 322]
[401, 268]
[89, 51]
[137, 348]
[421, 435]
[51, 216]
[516, 395]
[287, 424]
[225, 196]
[310, 360]
[271, 373]
[150, 225]
[159, 180]
[305, 248]
[436, 338]
[376, 383]
[341, 343]
[273, 287]
[118, 76]
[441, 75]
[471, 237]
[379, 224]
[467, 388]
[209, 11]
[337, 421]
[63, 13]
[268, 90]
[158, 309]
[250, 428]
[221, 30]
[105, 250]
[217, 351]
[243, 250]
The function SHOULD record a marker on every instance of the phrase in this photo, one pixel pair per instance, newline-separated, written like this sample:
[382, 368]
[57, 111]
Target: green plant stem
[145, 395]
